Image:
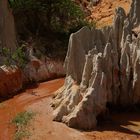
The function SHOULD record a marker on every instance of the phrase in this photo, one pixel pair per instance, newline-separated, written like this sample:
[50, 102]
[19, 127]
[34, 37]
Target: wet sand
[21, 102]
[123, 126]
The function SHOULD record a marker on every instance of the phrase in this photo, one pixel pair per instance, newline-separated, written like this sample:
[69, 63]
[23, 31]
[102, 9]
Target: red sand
[38, 99]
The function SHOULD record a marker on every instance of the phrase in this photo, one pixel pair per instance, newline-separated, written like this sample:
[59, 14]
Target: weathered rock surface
[10, 80]
[43, 69]
[7, 26]
[102, 66]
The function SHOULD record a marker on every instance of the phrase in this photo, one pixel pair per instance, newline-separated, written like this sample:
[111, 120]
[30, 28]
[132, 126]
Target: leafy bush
[21, 134]
[56, 15]
[49, 20]
[21, 120]
[17, 57]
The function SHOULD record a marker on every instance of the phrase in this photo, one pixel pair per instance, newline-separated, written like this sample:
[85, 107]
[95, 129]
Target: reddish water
[124, 126]
[9, 108]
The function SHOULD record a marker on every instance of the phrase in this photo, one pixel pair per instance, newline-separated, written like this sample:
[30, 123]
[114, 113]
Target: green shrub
[56, 15]
[21, 120]
[17, 57]
[49, 20]
[21, 134]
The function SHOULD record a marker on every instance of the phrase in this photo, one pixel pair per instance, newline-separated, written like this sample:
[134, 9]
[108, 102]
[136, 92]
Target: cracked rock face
[102, 66]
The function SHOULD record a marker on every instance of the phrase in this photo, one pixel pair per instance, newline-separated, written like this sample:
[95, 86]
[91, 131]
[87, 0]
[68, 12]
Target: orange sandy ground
[103, 13]
[38, 98]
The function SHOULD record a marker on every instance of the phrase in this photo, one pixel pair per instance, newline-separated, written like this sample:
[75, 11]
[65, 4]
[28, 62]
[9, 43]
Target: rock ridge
[102, 66]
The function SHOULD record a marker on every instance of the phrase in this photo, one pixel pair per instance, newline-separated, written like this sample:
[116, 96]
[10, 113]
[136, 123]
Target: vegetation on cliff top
[48, 22]
[54, 15]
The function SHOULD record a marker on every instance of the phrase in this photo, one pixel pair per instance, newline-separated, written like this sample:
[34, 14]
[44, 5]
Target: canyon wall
[7, 27]
[43, 69]
[10, 81]
[102, 66]
[10, 76]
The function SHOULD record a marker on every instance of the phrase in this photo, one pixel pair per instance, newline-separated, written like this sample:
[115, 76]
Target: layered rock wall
[102, 66]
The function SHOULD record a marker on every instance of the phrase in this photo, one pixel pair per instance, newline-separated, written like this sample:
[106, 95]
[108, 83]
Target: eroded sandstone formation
[43, 69]
[10, 80]
[10, 77]
[102, 66]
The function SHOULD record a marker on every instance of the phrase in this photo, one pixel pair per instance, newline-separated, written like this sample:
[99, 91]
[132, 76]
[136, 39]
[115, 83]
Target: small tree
[57, 15]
